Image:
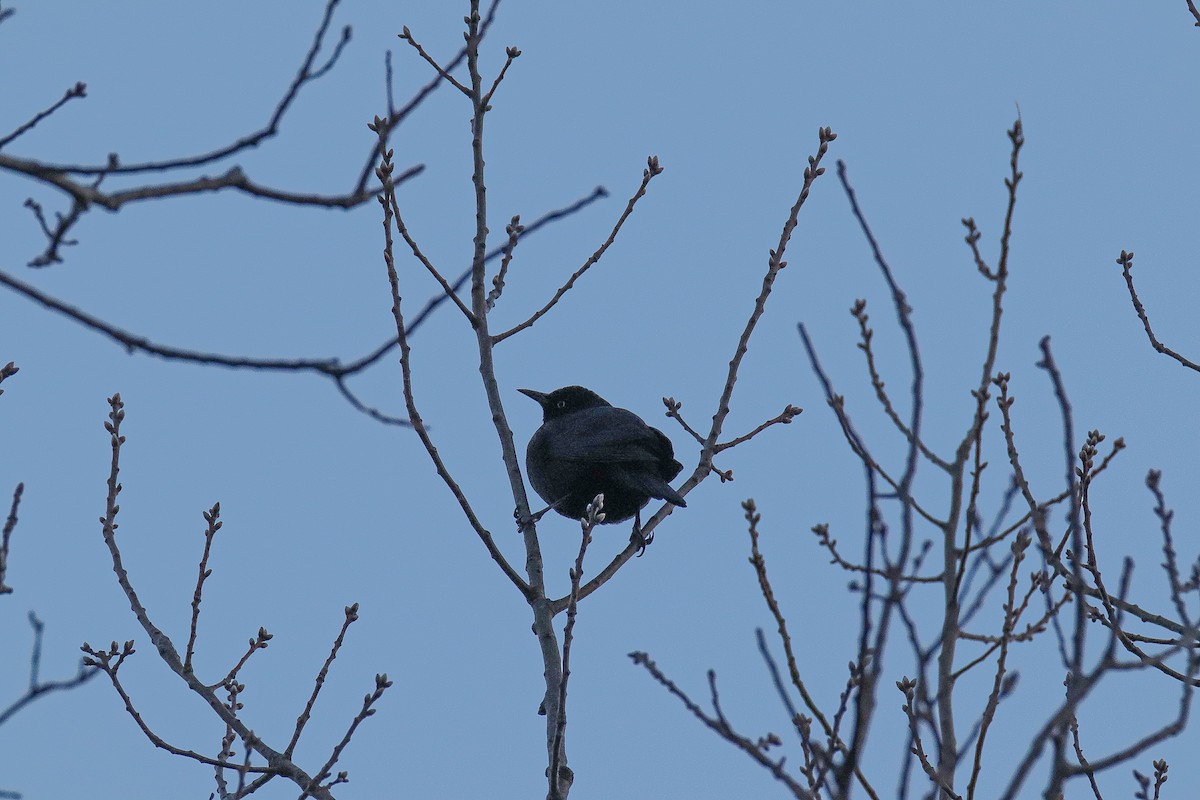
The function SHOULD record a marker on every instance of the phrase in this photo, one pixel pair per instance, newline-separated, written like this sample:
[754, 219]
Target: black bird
[586, 447]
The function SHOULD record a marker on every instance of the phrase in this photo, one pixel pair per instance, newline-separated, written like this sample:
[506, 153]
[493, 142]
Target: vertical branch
[10, 525]
[390, 211]
[1019, 546]
[214, 524]
[559, 776]
[872, 670]
[1075, 678]
[543, 612]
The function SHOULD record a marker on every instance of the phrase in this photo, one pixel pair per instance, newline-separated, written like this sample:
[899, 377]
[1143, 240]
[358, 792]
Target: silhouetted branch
[406, 35]
[414, 416]
[396, 117]
[351, 617]
[718, 724]
[768, 593]
[10, 525]
[331, 368]
[382, 684]
[110, 660]
[37, 687]
[214, 524]
[514, 229]
[705, 466]
[1195, 13]
[76, 91]
[652, 169]
[789, 413]
[84, 195]
[1126, 262]
[559, 775]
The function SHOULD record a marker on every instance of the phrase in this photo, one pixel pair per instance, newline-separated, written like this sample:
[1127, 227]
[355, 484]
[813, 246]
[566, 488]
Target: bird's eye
[562, 403]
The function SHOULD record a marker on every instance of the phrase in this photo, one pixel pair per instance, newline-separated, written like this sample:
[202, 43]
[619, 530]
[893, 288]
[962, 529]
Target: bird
[586, 446]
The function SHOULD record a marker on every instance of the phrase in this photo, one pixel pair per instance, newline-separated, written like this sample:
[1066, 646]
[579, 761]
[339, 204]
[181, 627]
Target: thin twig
[768, 593]
[704, 466]
[652, 169]
[259, 642]
[37, 687]
[406, 35]
[512, 54]
[721, 727]
[10, 524]
[514, 229]
[1126, 262]
[1195, 13]
[382, 684]
[332, 368]
[1011, 614]
[420, 256]
[859, 312]
[785, 417]
[305, 74]
[396, 117]
[556, 774]
[76, 91]
[384, 171]
[111, 659]
[212, 517]
[906, 687]
[350, 618]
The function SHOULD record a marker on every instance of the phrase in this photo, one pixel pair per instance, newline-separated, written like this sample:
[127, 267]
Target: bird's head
[564, 401]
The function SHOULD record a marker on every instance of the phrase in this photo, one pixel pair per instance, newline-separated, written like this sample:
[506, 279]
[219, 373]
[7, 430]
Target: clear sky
[324, 506]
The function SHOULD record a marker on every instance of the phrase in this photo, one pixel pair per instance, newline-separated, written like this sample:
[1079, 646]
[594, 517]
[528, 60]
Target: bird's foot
[637, 537]
[532, 519]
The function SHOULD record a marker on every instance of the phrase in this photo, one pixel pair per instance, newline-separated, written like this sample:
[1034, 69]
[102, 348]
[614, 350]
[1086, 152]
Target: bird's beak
[538, 397]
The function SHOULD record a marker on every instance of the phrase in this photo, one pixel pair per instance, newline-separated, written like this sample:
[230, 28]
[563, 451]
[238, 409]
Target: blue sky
[324, 507]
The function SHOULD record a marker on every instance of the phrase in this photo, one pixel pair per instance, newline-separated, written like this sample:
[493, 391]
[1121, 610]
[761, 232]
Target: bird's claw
[532, 519]
[639, 538]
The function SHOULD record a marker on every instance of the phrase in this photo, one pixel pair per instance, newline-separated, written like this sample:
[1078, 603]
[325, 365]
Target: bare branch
[512, 54]
[514, 229]
[76, 91]
[331, 368]
[907, 687]
[559, 775]
[1011, 614]
[7, 371]
[704, 466]
[1126, 262]
[859, 312]
[1195, 13]
[37, 687]
[721, 727]
[768, 593]
[304, 75]
[396, 117]
[10, 525]
[350, 618]
[673, 407]
[406, 35]
[785, 417]
[214, 524]
[382, 684]
[414, 416]
[652, 169]
[390, 191]
[110, 660]
[972, 239]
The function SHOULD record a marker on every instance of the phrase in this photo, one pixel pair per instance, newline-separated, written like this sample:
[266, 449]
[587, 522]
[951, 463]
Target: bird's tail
[652, 485]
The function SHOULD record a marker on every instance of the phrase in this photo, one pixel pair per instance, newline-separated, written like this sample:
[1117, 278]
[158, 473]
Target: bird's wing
[610, 435]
